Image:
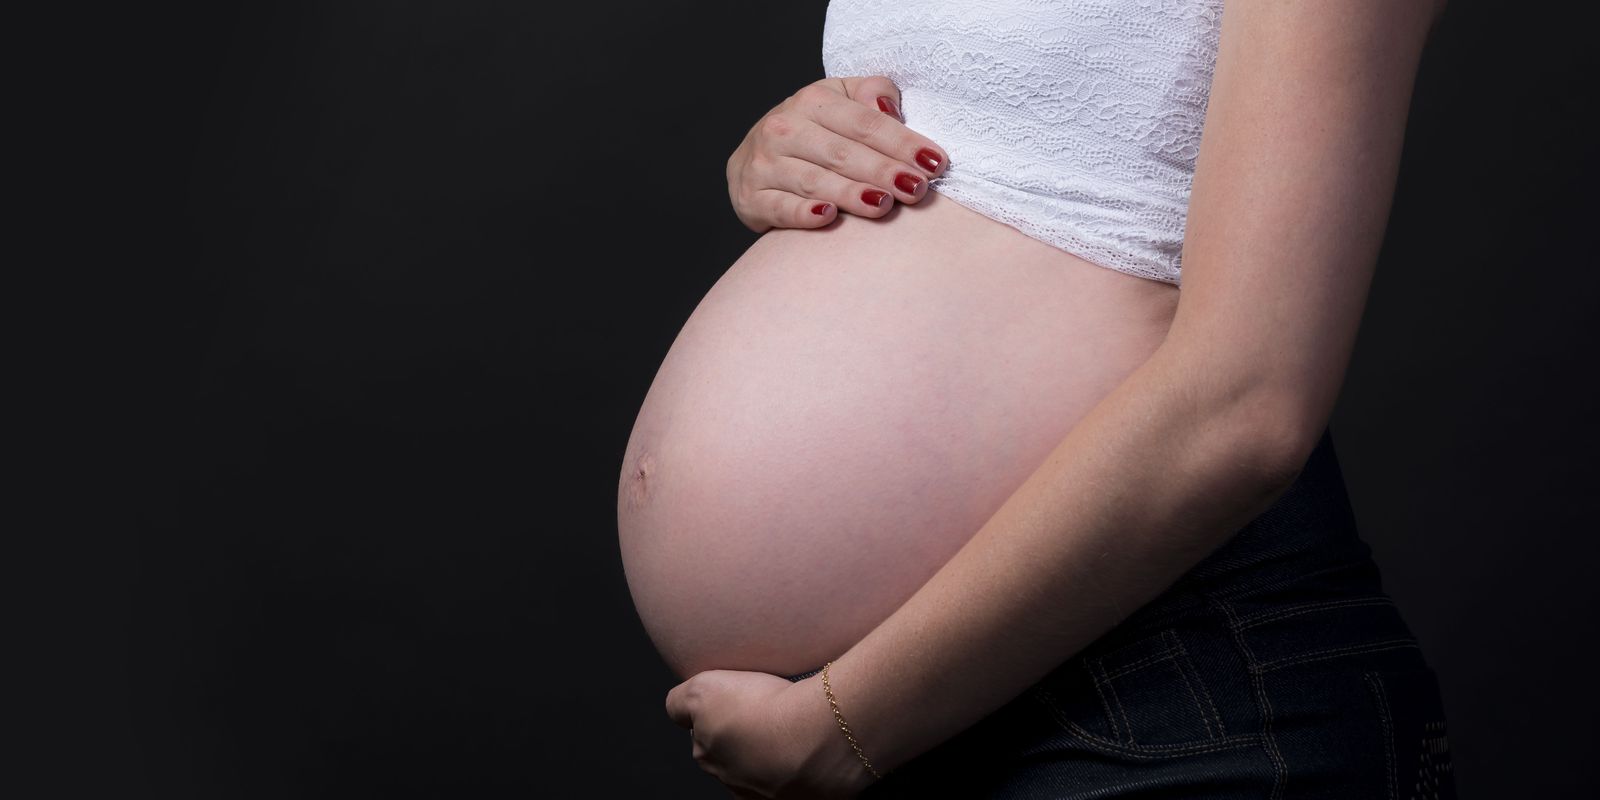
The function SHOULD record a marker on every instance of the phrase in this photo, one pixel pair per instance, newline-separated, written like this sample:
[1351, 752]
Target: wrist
[829, 758]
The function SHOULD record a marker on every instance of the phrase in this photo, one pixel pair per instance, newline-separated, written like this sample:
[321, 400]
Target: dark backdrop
[407, 269]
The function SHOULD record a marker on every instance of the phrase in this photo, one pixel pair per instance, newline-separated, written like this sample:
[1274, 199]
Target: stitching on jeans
[1183, 651]
[1097, 741]
[1251, 620]
[1162, 751]
[1334, 652]
[1180, 662]
[1124, 644]
[1157, 750]
[1115, 732]
[1306, 608]
[1047, 699]
[1210, 734]
[1375, 682]
[1280, 768]
[1118, 701]
[1137, 665]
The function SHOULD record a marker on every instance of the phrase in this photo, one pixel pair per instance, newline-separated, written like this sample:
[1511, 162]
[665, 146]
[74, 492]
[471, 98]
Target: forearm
[1154, 478]
[1303, 133]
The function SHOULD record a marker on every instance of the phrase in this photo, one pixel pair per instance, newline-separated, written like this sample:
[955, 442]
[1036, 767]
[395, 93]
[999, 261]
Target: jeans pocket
[1416, 749]
[1141, 695]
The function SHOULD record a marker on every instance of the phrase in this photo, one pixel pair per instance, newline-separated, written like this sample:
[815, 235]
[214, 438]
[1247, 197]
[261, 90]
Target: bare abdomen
[843, 411]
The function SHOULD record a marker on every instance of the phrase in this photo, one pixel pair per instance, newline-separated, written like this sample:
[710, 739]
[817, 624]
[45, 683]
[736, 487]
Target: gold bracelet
[842, 725]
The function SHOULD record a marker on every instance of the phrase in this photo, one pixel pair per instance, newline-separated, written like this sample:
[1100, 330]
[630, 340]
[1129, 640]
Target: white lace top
[1076, 122]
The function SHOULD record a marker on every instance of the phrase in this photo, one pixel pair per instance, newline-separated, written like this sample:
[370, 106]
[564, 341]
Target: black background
[405, 271]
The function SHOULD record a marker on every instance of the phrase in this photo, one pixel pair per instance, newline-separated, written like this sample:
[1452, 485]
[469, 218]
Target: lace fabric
[1077, 122]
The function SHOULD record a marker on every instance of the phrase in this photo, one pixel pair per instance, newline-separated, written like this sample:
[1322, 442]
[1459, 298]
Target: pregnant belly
[842, 412]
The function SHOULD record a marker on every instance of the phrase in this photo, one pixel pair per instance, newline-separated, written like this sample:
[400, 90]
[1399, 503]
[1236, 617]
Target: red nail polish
[887, 106]
[821, 209]
[874, 197]
[928, 159]
[908, 183]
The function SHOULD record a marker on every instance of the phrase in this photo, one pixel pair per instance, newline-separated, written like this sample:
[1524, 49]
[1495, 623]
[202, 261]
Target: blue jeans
[1275, 668]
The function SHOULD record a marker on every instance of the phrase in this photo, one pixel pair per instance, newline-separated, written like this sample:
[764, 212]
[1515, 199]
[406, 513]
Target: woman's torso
[842, 412]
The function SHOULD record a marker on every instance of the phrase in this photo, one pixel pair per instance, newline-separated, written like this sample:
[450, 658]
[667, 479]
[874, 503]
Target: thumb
[875, 91]
[680, 704]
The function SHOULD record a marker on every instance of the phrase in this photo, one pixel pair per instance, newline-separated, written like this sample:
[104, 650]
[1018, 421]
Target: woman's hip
[1276, 668]
[1309, 699]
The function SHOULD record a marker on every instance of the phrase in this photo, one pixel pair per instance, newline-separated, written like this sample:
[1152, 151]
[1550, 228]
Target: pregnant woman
[998, 466]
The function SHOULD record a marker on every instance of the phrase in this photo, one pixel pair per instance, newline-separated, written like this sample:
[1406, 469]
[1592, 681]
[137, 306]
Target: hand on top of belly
[838, 144]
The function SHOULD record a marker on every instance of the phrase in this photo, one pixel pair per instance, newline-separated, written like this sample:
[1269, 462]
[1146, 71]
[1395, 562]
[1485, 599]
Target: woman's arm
[1288, 206]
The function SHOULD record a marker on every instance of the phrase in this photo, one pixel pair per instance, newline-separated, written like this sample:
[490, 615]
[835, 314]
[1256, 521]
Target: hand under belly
[843, 410]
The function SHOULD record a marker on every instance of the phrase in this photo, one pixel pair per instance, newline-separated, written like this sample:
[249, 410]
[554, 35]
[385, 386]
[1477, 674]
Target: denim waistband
[1306, 537]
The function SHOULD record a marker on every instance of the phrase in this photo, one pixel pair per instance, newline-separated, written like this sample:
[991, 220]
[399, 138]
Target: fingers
[810, 160]
[836, 145]
[789, 210]
[816, 147]
[872, 198]
[875, 91]
[875, 129]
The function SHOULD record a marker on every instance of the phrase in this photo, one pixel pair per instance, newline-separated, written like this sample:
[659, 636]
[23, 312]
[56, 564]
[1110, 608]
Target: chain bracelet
[844, 726]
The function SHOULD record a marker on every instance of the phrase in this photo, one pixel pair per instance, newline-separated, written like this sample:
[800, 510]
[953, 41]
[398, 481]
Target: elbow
[1273, 434]
[1256, 419]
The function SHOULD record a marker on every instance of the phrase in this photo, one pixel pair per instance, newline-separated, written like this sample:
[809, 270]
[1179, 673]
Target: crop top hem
[1058, 235]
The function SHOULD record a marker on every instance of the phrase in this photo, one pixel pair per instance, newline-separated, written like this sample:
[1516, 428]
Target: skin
[1288, 206]
[876, 390]
[830, 141]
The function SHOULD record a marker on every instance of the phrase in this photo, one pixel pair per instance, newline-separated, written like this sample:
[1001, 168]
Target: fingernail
[874, 197]
[928, 159]
[908, 183]
[887, 106]
[821, 209]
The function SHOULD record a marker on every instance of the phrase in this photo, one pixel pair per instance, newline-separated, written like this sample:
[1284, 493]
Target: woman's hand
[765, 737]
[836, 145]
